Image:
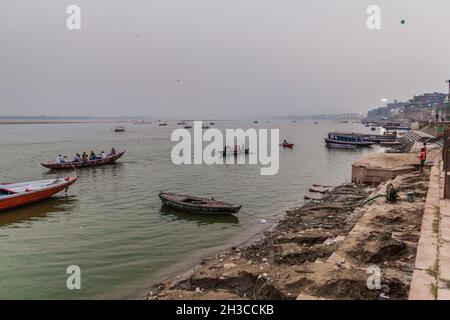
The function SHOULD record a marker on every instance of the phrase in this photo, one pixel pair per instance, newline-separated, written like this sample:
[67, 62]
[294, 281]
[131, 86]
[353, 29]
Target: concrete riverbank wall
[378, 168]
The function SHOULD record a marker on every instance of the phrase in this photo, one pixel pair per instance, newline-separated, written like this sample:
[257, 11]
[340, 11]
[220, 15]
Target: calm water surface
[112, 225]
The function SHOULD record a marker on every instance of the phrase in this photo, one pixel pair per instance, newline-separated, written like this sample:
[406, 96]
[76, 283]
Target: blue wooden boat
[348, 138]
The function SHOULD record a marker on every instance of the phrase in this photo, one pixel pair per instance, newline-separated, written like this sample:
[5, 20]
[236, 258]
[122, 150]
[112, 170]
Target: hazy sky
[218, 58]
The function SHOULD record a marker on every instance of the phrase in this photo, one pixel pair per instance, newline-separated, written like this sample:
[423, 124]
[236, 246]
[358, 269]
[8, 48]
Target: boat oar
[75, 169]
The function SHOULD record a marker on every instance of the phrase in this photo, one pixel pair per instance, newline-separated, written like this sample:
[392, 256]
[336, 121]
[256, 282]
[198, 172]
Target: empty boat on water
[82, 164]
[197, 205]
[14, 195]
[119, 129]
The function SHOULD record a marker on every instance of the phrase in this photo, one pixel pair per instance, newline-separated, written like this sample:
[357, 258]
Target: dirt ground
[319, 251]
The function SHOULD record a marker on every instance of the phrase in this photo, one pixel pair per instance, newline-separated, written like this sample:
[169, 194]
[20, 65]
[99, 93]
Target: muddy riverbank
[321, 250]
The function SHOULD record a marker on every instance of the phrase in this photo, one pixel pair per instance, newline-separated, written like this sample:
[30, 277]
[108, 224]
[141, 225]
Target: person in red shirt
[422, 159]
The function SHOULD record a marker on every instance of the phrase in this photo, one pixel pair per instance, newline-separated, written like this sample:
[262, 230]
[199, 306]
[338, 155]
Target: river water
[112, 225]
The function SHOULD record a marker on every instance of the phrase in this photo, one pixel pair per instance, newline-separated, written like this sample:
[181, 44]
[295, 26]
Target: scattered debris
[319, 251]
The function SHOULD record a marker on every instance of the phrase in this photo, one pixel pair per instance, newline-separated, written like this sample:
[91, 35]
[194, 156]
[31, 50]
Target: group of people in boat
[235, 148]
[85, 157]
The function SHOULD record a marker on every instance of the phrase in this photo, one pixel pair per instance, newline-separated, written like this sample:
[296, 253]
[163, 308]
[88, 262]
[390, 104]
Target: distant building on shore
[419, 108]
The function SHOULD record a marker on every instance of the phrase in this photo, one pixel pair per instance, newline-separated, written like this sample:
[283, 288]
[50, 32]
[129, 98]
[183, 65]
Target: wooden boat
[235, 153]
[142, 122]
[82, 164]
[197, 205]
[347, 138]
[119, 129]
[396, 126]
[390, 144]
[341, 146]
[13, 195]
[378, 138]
[288, 145]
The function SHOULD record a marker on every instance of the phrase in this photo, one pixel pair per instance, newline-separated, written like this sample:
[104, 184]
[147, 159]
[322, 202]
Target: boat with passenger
[230, 151]
[348, 138]
[79, 163]
[286, 144]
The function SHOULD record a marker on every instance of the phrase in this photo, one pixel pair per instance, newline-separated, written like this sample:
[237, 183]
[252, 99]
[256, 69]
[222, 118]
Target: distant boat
[83, 164]
[188, 127]
[162, 124]
[142, 122]
[197, 205]
[14, 195]
[205, 127]
[181, 123]
[341, 146]
[119, 129]
[235, 153]
[287, 145]
[211, 123]
[255, 121]
[315, 122]
[348, 138]
[373, 128]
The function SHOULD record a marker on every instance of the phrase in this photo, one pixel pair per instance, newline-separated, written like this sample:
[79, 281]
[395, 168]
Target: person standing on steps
[422, 159]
